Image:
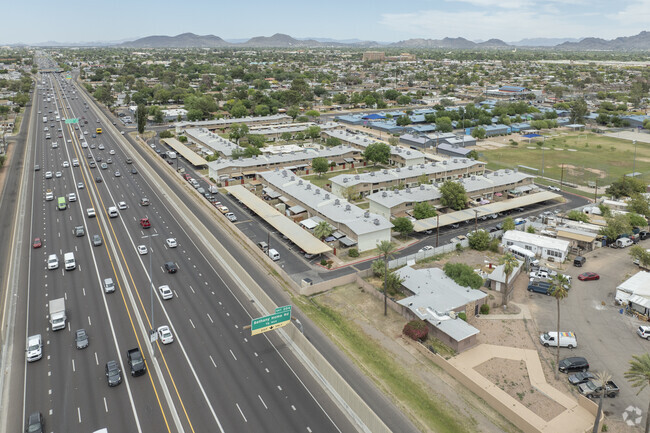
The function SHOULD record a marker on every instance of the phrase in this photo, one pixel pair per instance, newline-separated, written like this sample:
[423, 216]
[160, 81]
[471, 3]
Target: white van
[624, 242]
[524, 254]
[68, 259]
[112, 212]
[567, 339]
[34, 348]
[274, 255]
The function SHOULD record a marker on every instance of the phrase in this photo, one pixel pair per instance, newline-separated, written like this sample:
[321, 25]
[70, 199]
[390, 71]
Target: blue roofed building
[390, 126]
[420, 129]
[350, 119]
[635, 120]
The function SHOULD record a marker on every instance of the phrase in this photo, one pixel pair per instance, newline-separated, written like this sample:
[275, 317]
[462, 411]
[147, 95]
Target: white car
[101, 147]
[85, 132]
[80, 185]
[58, 174]
[554, 188]
[112, 152]
[231, 216]
[425, 248]
[75, 162]
[72, 197]
[122, 205]
[84, 144]
[90, 212]
[165, 292]
[66, 164]
[165, 334]
[171, 243]
[142, 249]
[48, 175]
[52, 262]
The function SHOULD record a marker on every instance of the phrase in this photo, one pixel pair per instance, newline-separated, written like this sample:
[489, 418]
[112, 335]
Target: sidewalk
[524, 313]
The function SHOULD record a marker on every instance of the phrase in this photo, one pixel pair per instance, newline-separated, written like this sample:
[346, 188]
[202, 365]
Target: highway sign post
[280, 318]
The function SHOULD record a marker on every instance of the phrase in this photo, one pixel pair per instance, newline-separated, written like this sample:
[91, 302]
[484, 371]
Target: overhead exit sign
[280, 318]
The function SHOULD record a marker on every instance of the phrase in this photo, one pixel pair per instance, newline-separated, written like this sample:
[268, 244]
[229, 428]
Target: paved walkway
[574, 419]
[524, 313]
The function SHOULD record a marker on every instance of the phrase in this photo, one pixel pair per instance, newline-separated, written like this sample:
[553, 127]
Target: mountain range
[640, 42]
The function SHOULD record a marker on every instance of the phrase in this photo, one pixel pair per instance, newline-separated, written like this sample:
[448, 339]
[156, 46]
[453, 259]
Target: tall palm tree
[386, 248]
[639, 376]
[509, 263]
[559, 292]
[603, 377]
[322, 230]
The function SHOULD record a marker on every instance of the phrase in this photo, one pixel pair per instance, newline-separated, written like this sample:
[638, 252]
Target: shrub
[323, 262]
[462, 315]
[166, 134]
[353, 252]
[485, 309]
[463, 275]
[416, 329]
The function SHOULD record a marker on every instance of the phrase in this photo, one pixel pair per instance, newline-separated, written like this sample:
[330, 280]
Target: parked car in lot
[588, 276]
[594, 388]
[554, 188]
[644, 332]
[582, 377]
[573, 363]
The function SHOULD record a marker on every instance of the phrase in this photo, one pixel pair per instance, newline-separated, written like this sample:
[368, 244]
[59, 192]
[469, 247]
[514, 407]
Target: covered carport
[191, 156]
[479, 211]
[299, 236]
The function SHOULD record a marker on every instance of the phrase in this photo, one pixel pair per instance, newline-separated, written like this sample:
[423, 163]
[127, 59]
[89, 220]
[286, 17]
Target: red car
[37, 243]
[587, 276]
[144, 222]
[187, 176]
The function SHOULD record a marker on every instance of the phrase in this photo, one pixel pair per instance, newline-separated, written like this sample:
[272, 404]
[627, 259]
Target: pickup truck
[593, 389]
[136, 361]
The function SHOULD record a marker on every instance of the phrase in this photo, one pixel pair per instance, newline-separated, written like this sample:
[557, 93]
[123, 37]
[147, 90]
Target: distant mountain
[449, 43]
[640, 42]
[542, 42]
[280, 40]
[185, 40]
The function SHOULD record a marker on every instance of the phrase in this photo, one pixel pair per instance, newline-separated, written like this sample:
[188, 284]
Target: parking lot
[606, 338]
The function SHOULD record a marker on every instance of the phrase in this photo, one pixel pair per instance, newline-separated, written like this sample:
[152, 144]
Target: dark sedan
[113, 373]
[582, 377]
[81, 339]
[171, 267]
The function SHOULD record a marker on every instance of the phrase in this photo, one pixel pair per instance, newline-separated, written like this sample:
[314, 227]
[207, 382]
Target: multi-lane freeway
[213, 377]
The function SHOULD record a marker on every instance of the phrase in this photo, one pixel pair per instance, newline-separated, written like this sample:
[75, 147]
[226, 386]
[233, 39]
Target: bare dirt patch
[512, 377]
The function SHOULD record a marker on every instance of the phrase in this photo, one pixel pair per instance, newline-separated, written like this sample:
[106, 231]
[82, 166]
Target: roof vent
[317, 192]
[408, 152]
[372, 173]
[345, 180]
[384, 194]
[408, 190]
[385, 172]
[308, 186]
[455, 161]
[327, 196]
[422, 187]
[348, 207]
[357, 177]
[292, 178]
[366, 214]
[337, 202]
[444, 162]
[376, 221]
[300, 182]
[398, 169]
[473, 177]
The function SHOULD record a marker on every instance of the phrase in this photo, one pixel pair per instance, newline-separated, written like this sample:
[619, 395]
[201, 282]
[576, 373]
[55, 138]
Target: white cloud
[509, 25]
[504, 4]
[637, 12]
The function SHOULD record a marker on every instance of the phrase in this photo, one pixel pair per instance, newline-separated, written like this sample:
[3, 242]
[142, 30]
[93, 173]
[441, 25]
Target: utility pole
[475, 219]
[437, 229]
[562, 176]
[634, 161]
[596, 191]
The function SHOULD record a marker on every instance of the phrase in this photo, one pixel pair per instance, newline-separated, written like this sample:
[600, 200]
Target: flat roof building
[399, 156]
[366, 228]
[211, 140]
[224, 124]
[274, 132]
[555, 250]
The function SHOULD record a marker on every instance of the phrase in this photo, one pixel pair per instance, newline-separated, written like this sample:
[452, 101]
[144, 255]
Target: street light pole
[634, 161]
[475, 220]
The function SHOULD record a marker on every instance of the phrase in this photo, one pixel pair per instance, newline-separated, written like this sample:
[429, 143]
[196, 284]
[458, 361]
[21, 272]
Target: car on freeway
[66, 164]
[75, 162]
[582, 377]
[97, 240]
[145, 223]
[104, 166]
[37, 243]
[128, 161]
[52, 262]
[98, 179]
[101, 147]
[58, 174]
[122, 205]
[588, 276]
[171, 242]
[81, 338]
[142, 249]
[231, 217]
[80, 185]
[72, 197]
[111, 152]
[92, 164]
[117, 174]
[90, 212]
[573, 363]
[79, 231]
[165, 292]
[171, 267]
[134, 171]
[37, 167]
[48, 175]
[109, 160]
[35, 423]
[113, 373]
[165, 334]
[94, 135]
[144, 201]
[92, 146]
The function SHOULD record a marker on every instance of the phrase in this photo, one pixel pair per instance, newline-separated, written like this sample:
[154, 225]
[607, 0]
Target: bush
[416, 329]
[166, 134]
[462, 315]
[485, 309]
[463, 275]
[323, 262]
[353, 252]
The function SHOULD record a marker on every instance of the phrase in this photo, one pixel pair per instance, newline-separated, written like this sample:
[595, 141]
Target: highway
[213, 377]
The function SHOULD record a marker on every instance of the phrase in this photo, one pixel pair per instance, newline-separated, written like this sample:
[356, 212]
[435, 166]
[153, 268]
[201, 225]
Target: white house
[553, 250]
[635, 292]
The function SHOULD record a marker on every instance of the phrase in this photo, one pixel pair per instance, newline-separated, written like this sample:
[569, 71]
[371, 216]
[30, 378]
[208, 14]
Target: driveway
[605, 337]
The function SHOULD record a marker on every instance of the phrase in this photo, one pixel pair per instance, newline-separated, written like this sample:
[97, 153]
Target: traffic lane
[589, 311]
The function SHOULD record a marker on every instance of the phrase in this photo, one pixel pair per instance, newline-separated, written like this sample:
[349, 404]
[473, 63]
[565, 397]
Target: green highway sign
[280, 318]
[71, 121]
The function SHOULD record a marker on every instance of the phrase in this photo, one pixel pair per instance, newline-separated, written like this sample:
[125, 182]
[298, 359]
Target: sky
[36, 21]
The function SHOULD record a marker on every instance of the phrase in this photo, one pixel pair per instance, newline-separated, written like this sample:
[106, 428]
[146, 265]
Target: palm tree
[559, 292]
[322, 230]
[603, 377]
[509, 263]
[386, 248]
[639, 376]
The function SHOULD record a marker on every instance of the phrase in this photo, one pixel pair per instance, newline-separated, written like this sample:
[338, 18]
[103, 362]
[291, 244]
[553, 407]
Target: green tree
[403, 225]
[238, 110]
[510, 263]
[530, 229]
[578, 110]
[238, 131]
[479, 240]
[423, 210]
[639, 204]
[194, 114]
[286, 136]
[393, 141]
[332, 141]
[478, 133]
[312, 113]
[293, 112]
[636, 220]
[141, 116]
[473, 154]
[559, 285]
[443, 124]
[312, 132]
[182, 139]
[616, 226]
[639, 377]
[453, 195]
[323, 229]
[320, 165]
[626, 187]
[602, 377]
[386, 249]
[640, 256]
[166, 134]
[391, 94]
[377, 153]
[403, 121]
[403, 100]
[576, 215]
[463, 275]
[256, 140]
[508, 224]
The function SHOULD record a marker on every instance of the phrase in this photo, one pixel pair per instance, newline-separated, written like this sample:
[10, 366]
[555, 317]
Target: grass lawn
[587, 157]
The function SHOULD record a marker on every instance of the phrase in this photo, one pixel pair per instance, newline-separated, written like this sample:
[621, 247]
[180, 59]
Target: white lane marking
[240, 411]
[256, 355]
[308, 429]
[265, 407]
[210, 317]
[192, 289]
[233, 355]
[245, 340]
[279, 387]
[79, 414]
[89, 323]
[213, 363]
[51, 411]
[267, 370]
[83, 289]
[192, 324]
[105, 405]
[293, 407]
[96, 359]
[49, 392]
[49, 373]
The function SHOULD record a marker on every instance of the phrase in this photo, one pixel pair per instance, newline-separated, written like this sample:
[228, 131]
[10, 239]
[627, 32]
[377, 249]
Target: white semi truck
[57, 314]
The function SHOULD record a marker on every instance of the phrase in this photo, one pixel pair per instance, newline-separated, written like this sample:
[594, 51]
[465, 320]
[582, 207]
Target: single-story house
[635, 292]
[553, 250]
